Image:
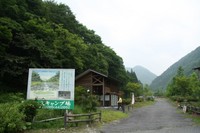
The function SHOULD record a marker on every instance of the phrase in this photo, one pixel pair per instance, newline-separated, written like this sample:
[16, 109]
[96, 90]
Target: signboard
[54, 88]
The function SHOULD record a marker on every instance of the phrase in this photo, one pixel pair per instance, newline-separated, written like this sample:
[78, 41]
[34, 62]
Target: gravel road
[161, 117]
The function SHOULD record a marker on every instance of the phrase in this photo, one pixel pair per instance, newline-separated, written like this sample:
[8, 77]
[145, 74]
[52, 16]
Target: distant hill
[143, 74]
[188, 62]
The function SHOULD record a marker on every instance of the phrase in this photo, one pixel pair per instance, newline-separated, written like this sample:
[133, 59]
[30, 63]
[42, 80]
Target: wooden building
[106, 88]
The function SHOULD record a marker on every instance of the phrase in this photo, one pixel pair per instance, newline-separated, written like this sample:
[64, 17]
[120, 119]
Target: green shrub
[127, 101]
[11, 119]
[43, 114]
[139, 99]
[85, 100]
[29, 108]
[11, 97]
[184, 98]
[90, 103]
[191, 99]
[77, 109]
[150, 98]
[177, 98]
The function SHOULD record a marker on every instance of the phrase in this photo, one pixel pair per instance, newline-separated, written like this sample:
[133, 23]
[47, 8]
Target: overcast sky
[151, 33]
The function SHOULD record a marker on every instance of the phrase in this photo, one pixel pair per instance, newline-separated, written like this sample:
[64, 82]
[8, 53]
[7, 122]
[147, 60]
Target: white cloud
[151, 33]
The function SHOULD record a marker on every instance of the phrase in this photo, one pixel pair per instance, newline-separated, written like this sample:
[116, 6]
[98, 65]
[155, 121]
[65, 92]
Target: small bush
[85, 99]
[191, 99]
[150, 98]
[77, 109]
[11, 119]
[29, 108]
[43, 114]
[178, 98]
[11, 97]
[184, 98]
[90, 103]
[139, 99]
[127, 101]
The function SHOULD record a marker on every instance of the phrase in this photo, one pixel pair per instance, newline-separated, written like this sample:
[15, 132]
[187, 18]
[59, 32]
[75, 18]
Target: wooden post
[103, 93]
[90, 119]
[100, 116]
[123, 108]
[65, 118]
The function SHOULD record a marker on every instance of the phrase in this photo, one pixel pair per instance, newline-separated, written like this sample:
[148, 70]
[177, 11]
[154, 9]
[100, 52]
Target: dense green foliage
[134, 86]
[11, 119]
[188, 62]
[132, 76]
[11, 97]
[29, 109]
[184, 87]
[86, 100]
[16, 114]
[131, 88]
[44, 34]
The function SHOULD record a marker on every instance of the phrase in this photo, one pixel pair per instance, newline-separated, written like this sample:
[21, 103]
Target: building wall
[85, 81]
[111, 85]
[114, 87]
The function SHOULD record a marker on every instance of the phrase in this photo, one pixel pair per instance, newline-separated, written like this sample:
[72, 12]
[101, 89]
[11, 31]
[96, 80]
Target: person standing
[119, 103]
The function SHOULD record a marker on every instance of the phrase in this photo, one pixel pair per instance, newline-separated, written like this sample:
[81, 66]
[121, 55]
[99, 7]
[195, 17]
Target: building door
[114, 99]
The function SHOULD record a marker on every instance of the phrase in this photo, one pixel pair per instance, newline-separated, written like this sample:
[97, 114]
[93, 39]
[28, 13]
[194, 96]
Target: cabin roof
[88, 71]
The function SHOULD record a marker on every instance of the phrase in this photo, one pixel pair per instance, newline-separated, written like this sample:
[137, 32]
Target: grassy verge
[195, 118]
[108, 115]
[142, 104]
[112, 115]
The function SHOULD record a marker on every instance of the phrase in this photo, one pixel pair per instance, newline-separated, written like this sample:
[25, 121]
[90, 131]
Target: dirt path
[158, 118]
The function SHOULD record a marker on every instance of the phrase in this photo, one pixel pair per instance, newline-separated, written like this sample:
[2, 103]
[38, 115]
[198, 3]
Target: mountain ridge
[188, 62]
[143, 74]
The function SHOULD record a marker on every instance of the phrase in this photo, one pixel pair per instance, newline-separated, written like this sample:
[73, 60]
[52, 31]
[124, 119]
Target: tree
[132, 76]
[179, 85]
[135, 88]
[44, 34]
[147, 91]
[195, 85]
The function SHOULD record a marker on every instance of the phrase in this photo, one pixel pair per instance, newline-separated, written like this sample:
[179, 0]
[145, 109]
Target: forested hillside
[143, 74]
[188, 62]
[44, 34]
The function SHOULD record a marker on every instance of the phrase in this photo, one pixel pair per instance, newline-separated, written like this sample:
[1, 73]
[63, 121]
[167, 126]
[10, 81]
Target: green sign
[57, 104]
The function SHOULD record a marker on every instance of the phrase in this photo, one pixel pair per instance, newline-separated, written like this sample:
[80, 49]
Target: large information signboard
[54, 88]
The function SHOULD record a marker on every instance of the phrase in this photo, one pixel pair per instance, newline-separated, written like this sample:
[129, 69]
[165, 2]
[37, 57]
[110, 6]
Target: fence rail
[47, 120]
[76, 118]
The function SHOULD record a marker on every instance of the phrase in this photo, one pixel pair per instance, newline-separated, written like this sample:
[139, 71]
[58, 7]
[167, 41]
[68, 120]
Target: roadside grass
[108, 115]
[142, 104]
[195, 118]
[112, 115]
